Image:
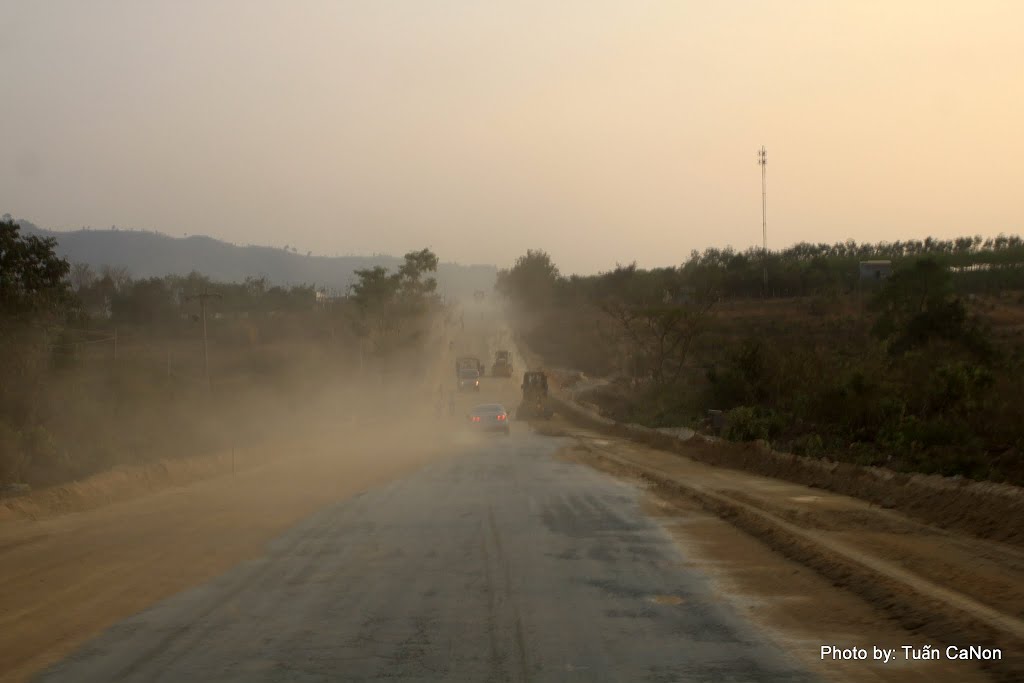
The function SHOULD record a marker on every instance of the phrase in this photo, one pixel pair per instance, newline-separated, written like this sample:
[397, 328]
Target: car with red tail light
[489, 417]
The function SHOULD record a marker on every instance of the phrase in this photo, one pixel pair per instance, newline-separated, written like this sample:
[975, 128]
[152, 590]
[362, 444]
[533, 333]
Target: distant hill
[149, 254]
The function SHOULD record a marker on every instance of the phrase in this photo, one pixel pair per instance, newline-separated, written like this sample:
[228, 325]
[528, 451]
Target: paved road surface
[503, 563]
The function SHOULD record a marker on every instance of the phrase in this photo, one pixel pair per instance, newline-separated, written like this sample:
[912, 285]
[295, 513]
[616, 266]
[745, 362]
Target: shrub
[748, 423]
[811, 445]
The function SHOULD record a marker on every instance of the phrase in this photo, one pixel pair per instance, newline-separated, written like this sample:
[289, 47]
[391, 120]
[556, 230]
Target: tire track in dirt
[919, 605]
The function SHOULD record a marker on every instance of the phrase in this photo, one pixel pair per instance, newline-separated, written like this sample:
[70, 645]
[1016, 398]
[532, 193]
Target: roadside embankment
[126, 482]
[984, 509]
[140, 534]
[941, 556]
[943, 586]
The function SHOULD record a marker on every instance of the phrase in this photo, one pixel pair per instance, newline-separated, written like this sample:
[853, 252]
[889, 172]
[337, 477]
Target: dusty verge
[784, 598]
[63, 580]
[983, 509]
[951, 588]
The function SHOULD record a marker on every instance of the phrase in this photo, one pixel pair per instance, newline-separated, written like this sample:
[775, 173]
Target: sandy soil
[800, 608]
[66, 578]
[73, 561]
[932, 582]
[787, 598]
[78, 558]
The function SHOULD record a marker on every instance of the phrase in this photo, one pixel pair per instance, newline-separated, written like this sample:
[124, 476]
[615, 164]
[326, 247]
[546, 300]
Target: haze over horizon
[602, 132]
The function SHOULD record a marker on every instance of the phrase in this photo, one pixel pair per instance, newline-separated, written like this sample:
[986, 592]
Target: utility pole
[203, 298]
[762, 161]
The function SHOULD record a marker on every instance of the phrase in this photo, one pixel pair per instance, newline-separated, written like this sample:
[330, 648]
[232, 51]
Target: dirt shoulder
[784, 598]
[65, 579]
[127, 482]
[986, 510]
[75, 559]
[951, 588]
[983, 509]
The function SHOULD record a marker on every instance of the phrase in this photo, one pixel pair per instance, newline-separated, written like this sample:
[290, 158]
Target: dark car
[469, 380]
[468, 363]
[490, 417]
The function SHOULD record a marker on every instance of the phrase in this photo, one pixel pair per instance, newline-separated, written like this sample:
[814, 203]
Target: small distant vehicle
[535, 396]
[469, 380]
[502, 364]
[463, 362]
[490, 417]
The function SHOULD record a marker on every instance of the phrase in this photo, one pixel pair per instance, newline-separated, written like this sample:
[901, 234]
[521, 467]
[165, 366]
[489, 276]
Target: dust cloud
[320, 432]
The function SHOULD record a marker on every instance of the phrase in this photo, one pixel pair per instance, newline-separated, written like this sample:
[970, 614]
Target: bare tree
[118, 276]
[82, 276]
[657, 316]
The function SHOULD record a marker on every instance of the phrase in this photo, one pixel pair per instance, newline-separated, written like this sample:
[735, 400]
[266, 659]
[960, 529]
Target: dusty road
[502, 563]
[63, 579]
[495, 558]
[417, 552]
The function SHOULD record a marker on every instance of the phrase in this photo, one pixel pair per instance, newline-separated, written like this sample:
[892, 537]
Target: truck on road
[502, 366]
[535, 401]
[468, 362]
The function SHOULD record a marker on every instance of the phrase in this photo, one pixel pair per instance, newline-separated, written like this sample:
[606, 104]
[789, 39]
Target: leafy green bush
[811, 445]
[748, 423]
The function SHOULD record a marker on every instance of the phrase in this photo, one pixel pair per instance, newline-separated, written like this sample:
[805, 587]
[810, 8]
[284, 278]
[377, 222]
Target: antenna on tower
[762, 161]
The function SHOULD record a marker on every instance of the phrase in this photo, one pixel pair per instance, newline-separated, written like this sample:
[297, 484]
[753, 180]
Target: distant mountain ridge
[153, 254]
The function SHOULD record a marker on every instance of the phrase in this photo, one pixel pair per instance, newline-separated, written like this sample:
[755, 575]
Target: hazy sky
[602, 132]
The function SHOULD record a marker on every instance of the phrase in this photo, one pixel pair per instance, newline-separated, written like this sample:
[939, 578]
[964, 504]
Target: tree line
[63, 418]
[917, 379]
[35, 282]
[803, 269]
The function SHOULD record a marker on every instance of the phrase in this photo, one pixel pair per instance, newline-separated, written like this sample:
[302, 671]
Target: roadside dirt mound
[66, 577]
[268, 428]
[913, 610]
[987, 510]
[122, 483]
[984, 509]
[936, 584]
